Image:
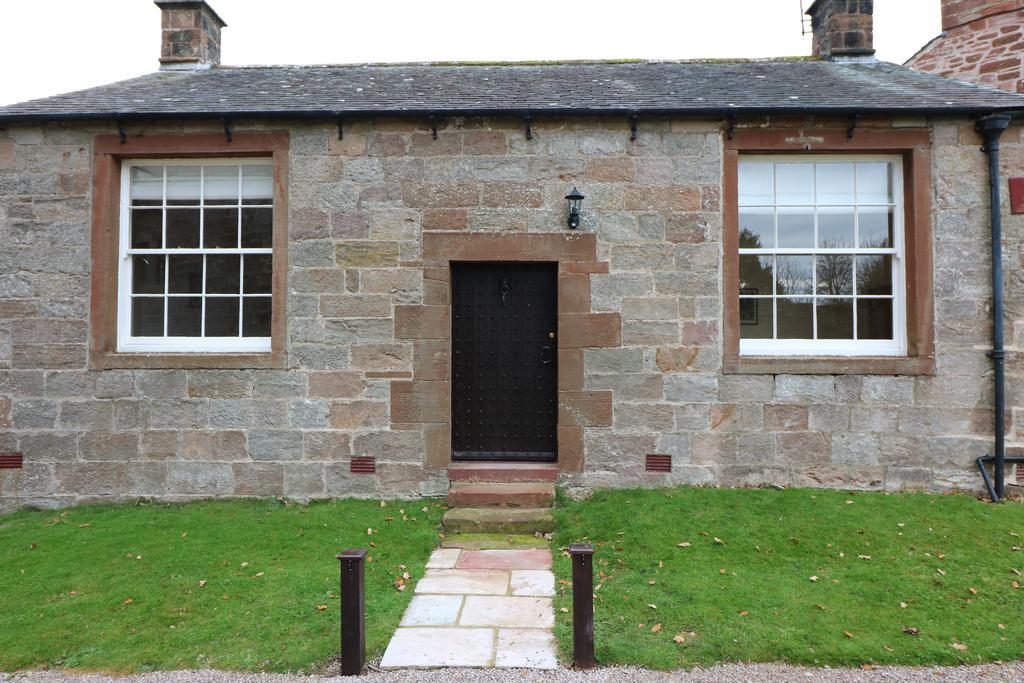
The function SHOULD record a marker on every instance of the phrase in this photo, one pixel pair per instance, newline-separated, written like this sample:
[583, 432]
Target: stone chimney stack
[842, 29]
[189, 35]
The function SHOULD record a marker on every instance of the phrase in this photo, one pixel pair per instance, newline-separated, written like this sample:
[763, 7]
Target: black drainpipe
[991, 128]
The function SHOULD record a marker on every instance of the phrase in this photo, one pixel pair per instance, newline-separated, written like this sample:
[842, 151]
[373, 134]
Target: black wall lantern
[575, 200]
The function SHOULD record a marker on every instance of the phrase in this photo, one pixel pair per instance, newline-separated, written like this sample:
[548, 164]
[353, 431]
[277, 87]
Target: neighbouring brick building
[324, 281]
[982, 41]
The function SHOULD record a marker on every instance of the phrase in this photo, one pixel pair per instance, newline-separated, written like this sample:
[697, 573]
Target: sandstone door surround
[424, 401]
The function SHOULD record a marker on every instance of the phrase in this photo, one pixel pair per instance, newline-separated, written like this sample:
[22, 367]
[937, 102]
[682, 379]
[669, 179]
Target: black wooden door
[504, 361]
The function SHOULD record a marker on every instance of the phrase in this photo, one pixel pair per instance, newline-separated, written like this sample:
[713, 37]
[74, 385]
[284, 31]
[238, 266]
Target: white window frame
[126, 343]
[839, 347]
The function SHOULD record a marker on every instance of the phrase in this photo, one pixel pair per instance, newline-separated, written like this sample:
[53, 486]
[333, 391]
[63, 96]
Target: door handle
[545, 354]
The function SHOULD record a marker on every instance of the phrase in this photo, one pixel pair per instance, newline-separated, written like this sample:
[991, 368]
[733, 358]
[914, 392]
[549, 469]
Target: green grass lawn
[944, 566]
[228, 584]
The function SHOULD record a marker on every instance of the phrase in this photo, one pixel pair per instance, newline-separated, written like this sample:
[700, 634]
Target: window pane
[835, 228]
[257, 184]
[184, 316]
[834, 183]
[256, 316]
[874, 275]
[757, 228]
[147, 228]
[258, 270]
[220, 185]
[873, 183]
[796, 228]
[794, 183]
[182, 228]
[835, 274]
[222, 274]
[875, 228]
[147, 316]
[257, 228]
[756, 184]
[186, 274]
[793, 275]
[755, 275]
[755, 318]
[796, 319]
[835, 318]
[874, 318]
[222, 316]
[147, 185]
[220, 228]
[148, 274]
[182, 185]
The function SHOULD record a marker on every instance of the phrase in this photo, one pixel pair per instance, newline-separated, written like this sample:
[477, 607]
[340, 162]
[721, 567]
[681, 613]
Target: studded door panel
[504, 361]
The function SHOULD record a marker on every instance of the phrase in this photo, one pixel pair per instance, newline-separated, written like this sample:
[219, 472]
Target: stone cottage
[378, 279]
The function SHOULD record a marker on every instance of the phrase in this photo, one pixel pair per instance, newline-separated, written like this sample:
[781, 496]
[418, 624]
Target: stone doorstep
[502, 472]
[499, 520]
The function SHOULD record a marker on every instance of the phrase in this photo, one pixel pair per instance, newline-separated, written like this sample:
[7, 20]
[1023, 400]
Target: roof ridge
[626, 61]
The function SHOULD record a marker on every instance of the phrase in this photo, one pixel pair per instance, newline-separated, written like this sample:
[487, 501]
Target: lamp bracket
[730, 127]
[854, 120]
[634, 120]
[433, 127]
[529, 127]
[227, 127]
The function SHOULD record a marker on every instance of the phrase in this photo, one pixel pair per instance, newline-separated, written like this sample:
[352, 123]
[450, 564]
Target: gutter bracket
[433, 127]
[529, 127]
[634, 120]
[730, 126]
[227, 127]
[341, 126]
[854, 120]
[120, 131]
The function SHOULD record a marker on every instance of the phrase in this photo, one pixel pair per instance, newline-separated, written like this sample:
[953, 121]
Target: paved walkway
[479, 608]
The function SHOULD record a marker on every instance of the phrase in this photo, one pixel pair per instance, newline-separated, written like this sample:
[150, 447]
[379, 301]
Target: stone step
[502, 495]
[498, 520]
[492, 541]
[502, 471]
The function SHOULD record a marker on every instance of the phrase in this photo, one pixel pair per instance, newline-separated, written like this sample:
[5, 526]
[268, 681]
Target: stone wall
[981, 45]
[358, 210]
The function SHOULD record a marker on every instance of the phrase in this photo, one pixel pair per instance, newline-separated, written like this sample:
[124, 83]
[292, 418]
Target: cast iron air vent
[363, 465]
[659, 463]
[11, 461]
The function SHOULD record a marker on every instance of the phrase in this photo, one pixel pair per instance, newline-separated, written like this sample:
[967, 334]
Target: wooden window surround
[424, 402]
[914, 146]
[108, 153]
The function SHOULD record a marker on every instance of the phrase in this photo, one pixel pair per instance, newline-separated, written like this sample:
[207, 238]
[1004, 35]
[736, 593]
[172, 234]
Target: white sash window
[196, 256]
[821, 256]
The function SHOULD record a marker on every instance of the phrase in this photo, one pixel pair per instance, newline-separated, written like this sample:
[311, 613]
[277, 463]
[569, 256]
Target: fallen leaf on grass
[564, 609]
[814, 579]
[941, 572]
[821, 607]
[321, 607]
[958, 646]
[847, 634]
[84, 526]
[369, 531]
[744, 613]
[911, 631]
[1015, 584]
[683, 635]
[1000, 627]
[202, 582]
[973, 591]
[656, 628]
[864, 557]
[903, 605]
[258, 575]
[653, 606]
[128, 601]
[684, 544]
[719, 541]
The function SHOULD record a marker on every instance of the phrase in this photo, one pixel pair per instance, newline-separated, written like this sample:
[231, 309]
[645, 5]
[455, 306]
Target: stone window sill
[186, 361]
[821, 365]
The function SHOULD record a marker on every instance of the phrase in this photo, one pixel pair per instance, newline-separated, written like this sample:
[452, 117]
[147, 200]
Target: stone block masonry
[374, 219]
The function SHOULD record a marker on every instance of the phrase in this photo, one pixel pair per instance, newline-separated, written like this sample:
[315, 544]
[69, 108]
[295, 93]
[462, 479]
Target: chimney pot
[189, 35]
[842, 29]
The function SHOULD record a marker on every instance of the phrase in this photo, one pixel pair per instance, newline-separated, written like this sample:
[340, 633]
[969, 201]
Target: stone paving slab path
[479, 608]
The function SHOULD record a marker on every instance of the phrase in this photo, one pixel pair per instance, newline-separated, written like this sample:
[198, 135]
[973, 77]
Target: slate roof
[450, 89]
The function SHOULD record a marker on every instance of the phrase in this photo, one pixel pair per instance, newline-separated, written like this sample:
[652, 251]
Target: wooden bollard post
[353, 611]
[582, 555]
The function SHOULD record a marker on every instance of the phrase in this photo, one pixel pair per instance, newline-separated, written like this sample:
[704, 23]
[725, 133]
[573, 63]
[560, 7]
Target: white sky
[54, 46]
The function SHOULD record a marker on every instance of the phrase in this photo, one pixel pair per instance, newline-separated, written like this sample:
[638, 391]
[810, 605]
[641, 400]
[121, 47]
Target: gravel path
[726, 673]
